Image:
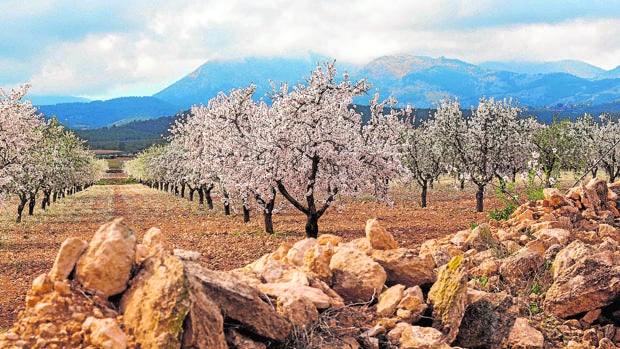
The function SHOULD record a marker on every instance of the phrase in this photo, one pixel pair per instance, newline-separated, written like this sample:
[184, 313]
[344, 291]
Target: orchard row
[39, 157]
[312, 148]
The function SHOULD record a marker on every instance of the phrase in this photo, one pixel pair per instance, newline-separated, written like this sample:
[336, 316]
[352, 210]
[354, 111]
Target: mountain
[130, 137]
[214, 76]
[422, 81]
[115, 111]
[576, 68]
[46, 100]
[416, 80]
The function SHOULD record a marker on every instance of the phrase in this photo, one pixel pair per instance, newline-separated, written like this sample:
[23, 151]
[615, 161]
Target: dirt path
[28, 249]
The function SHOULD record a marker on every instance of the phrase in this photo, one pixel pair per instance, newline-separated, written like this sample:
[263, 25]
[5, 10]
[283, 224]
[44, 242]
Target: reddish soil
[28, 249]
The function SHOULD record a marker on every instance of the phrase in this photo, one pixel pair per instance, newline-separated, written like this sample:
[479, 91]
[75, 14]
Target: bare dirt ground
[28, 249]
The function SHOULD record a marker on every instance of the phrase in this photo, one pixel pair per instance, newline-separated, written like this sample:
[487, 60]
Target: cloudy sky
[105, 49]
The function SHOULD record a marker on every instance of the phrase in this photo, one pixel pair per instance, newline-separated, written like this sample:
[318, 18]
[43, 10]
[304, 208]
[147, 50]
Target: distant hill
[116, 111]
[212, 77]
[422, 81]
[416, 80]
[131, 137]
[47, 100]
[576, 68]
[138, 135]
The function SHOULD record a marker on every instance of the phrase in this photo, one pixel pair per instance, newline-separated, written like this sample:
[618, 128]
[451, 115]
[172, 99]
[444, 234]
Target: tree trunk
[201, 195]
[55, 196]
[46, 199]
[423, 195]
[267, 210]
[183, 189]
[246, 214]
[32, 203]
[226, 204]
[208, 197]
[191, 193]
[462, 185]
[268, 219]
[480, 198]
[312, 225]
[20, 207]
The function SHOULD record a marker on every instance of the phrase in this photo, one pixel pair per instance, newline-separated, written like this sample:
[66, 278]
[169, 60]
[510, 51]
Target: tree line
[310, 147]
[39, 157]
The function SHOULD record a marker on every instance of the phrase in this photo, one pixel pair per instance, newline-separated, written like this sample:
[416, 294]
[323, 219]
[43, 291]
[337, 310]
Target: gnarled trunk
[32, 203]
[480, 198]
[20, 207]
[424, 192]
[246, 214]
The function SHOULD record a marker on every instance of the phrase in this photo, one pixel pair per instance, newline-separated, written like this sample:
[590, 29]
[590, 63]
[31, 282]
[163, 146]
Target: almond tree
[318, 141]
[18, 124]
[423, 156]
[608, 145]
[558, 146]
[482, 145]
[599, 142]
[225, 141]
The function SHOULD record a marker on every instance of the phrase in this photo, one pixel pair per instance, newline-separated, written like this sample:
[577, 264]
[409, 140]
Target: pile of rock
[547, 278]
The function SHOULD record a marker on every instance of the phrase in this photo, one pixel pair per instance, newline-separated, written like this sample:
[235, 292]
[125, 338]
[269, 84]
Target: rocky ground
[28, 249]
[549, 277]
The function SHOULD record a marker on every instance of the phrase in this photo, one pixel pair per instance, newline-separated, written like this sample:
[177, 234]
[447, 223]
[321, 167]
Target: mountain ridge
[417, 80]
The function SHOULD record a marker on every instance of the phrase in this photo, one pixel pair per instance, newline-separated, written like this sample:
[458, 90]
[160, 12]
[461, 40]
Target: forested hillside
[132, 137]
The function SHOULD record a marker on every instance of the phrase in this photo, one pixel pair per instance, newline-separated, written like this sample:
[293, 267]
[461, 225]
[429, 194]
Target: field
[28, 249]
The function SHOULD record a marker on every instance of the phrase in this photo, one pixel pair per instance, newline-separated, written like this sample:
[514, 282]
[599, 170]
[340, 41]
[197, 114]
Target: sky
[105, 49]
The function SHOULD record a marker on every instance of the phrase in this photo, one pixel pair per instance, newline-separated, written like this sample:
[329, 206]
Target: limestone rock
[273, 271]
[551, 236]
[389, 299]
[487, 321]
[380, 239]
[460, 238]
[592, 282]
[155, 242]
[436, 252]
[606, 230]
[554, 197]
[362, 244]
[105, 333]
[157, 302]
[332, 239]
[316, 262]
[107, 262]
[522, 335]
[238, 301]
[357, 278]
[295, 254]
[521, 267]
[482, 239]
[300, 311]
[569, 255]
[404, 266]
[407, 336]
[204, 326]
[291, 290]
[70, 250]
[412, 307]
[448, 298]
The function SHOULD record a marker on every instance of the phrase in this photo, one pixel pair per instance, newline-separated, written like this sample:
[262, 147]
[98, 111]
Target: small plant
[473, 225]
[502, 214]
[536, 288]
[533, 308]
[482, 279]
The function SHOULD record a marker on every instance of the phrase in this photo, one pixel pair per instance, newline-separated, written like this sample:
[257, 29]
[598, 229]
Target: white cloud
[153, 43]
